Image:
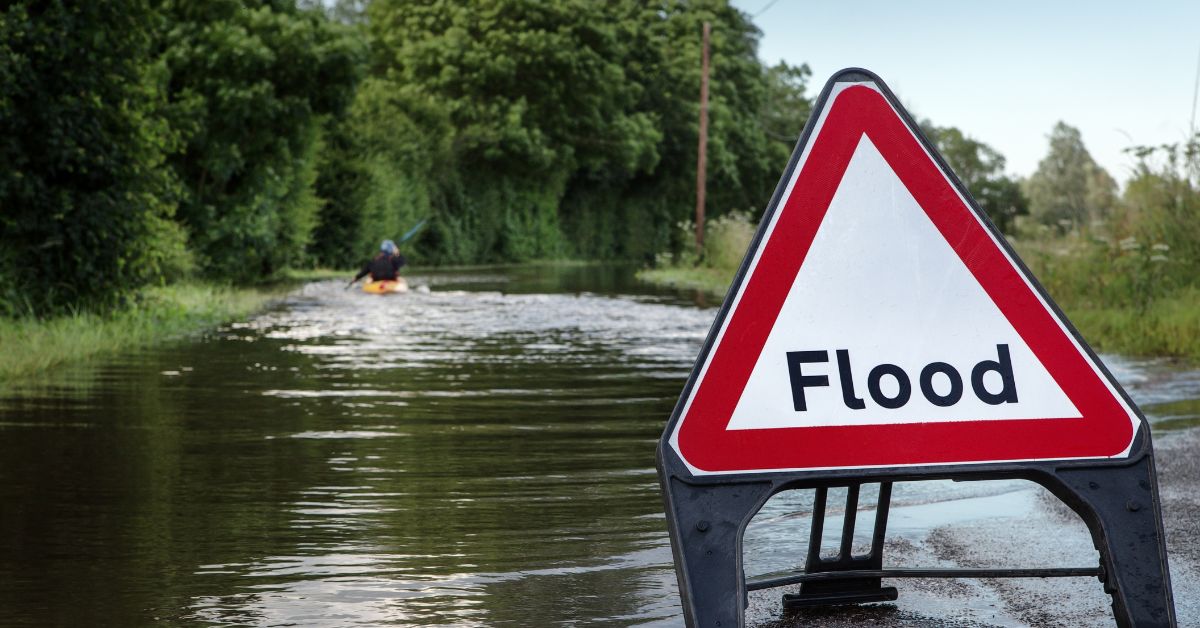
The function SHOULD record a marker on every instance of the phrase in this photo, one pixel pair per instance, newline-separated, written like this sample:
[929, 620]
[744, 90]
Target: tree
[247, 90]
[536, 92]
[86, 201]
[573, 124]
[532, 87]
[981, 168]
[383, 168]
[787, 107]
[1069, 188]
[635, 216]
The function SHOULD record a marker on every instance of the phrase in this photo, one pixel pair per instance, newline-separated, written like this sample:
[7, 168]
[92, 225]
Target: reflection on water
[478, 455]
[481, 454]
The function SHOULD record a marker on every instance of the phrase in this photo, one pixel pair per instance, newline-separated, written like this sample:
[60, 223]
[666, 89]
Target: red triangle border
[1106, 428]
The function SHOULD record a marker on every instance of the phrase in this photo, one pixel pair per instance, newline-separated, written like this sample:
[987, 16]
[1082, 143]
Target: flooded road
[478, 454]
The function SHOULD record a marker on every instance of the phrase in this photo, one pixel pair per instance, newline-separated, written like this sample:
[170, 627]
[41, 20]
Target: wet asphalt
[1034, 530]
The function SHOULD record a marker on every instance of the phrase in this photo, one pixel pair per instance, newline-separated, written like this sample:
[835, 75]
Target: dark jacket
[383, 266]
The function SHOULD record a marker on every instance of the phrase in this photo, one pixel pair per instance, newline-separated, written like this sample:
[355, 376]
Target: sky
[1123, 73]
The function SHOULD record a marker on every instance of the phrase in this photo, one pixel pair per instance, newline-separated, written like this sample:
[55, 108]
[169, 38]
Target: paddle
[412, 232]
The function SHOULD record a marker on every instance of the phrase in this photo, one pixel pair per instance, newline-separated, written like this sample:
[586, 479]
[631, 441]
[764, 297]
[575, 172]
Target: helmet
[388, 247]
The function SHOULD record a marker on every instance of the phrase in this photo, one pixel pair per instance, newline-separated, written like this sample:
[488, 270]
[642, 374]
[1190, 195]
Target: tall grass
[1125, 295]
[1167, 326]
[30, 345]
[711, 269]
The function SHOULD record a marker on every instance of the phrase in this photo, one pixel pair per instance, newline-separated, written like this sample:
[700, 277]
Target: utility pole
[702, 152]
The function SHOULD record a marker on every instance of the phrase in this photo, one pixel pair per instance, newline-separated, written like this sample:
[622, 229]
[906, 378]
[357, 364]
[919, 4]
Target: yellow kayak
[386, 286]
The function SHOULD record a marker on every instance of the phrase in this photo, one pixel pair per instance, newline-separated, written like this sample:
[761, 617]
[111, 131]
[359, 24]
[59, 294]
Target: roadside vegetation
[33, 346]
[150, 144]
[160, 142]
[1125, 267]
[164, 143]
[712, 268]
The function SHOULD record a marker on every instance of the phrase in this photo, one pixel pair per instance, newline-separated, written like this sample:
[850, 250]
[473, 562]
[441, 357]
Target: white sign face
[881, 286]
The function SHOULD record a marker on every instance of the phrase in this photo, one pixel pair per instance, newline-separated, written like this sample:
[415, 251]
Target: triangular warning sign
[879, 320]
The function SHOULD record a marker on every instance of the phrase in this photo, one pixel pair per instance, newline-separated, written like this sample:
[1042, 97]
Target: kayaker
[383, 266]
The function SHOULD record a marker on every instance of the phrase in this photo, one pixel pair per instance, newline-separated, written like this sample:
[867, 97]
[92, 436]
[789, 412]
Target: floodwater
[478, 454]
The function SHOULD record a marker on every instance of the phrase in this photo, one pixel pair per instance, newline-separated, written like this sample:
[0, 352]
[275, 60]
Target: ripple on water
[477, 455]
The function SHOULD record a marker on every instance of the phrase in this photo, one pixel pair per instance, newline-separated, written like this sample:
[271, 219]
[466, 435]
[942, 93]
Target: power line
[764, 9]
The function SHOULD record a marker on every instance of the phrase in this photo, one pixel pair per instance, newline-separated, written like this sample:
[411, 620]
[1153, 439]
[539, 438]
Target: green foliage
[144, 142]
[1129, 277]
[535, 94]
[384, 168]
[85, 202]
[571, 126]
[1069, 188]
[246, 88]
[1134, 273]
[1145, 249]
[787, 106]
[1162, 202]
[1168, 326]
[702, 279]
[754, 117]
[147, 142]
[981, 168]
[531, 87]
[726, 240]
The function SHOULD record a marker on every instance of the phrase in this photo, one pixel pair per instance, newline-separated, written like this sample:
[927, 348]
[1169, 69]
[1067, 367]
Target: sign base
[1117, 500]
[844, 590]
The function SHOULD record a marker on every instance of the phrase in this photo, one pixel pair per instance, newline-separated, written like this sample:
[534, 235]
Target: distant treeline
[146, 141]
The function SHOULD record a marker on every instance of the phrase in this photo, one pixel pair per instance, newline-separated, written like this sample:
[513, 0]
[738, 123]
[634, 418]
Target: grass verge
[31, 346]
[1168, 326]
[701, 278]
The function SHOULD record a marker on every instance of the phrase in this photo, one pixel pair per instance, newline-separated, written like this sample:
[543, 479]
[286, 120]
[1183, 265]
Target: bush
[86, 202]
[384, 168]
[726, 239]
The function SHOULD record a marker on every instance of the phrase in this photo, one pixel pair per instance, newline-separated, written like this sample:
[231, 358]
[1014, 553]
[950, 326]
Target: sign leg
[706, 525]
[1121, 508]
[851, 591]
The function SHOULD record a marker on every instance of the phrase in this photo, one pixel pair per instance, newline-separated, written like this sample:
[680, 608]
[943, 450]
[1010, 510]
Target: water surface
[480, 454]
